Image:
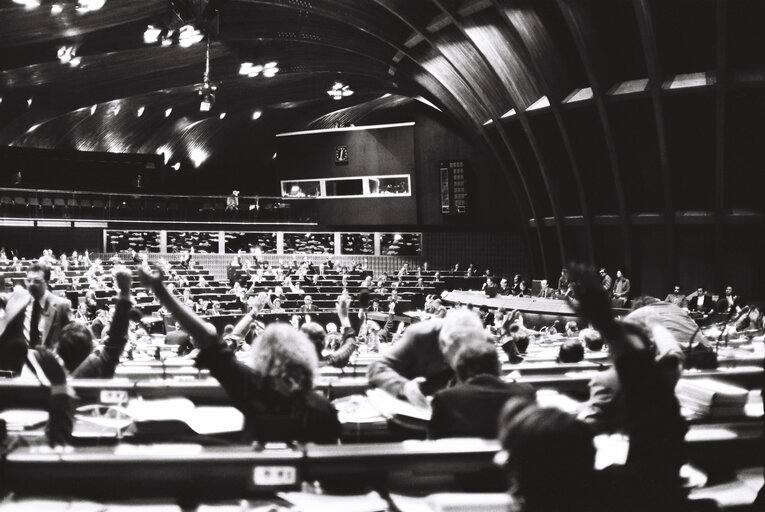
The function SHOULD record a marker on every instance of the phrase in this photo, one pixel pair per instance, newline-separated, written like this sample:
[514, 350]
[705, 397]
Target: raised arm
[203, 333]
[103, 364]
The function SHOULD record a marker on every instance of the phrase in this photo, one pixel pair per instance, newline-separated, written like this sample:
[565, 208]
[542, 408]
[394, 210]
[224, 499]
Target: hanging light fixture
[207, 92]
[339, 91]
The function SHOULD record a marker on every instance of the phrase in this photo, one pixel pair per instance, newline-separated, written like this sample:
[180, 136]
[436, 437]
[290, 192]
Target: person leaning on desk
[421, 363]
[275, 394]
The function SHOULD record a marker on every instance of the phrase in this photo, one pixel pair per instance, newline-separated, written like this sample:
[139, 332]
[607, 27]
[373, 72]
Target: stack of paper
[23, 419]
[358, 416]
[710, 397]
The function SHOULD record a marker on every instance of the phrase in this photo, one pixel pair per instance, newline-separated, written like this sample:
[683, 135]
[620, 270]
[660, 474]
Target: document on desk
[202, 420]
[390, 406]
[456, 502]
[309, 502]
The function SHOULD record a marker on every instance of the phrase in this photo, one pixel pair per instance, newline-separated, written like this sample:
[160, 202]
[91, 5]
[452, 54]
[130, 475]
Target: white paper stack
[710, 397]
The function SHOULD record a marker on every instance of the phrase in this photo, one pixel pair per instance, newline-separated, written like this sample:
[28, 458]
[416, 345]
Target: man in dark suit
[546, 292]
[35, 314]
[728, 302]
[700, 301]
[471, 408]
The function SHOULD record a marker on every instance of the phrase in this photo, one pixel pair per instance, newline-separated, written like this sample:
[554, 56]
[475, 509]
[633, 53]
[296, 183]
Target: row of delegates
[702, 301]
[275, 392]
[546, 444]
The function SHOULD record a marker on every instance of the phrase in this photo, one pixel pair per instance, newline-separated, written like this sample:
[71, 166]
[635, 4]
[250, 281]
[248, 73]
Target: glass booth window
[400, 244]
[395, 185]
[309, 243]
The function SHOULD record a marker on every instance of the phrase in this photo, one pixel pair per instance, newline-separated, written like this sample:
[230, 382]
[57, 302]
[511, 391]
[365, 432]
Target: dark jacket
[340, 357]
[56, 313]
[650, 480]
[417, 354]
[271, 416]
[471, 408]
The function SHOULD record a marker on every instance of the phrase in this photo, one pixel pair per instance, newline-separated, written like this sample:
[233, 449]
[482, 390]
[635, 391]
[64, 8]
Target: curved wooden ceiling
[553, 88]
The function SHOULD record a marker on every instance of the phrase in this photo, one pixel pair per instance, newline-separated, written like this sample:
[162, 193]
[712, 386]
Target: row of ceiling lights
[186, 36]
[81, 6]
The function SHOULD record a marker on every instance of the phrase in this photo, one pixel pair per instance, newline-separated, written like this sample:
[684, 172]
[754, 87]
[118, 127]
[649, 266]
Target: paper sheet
[388, 405]
[309, 502]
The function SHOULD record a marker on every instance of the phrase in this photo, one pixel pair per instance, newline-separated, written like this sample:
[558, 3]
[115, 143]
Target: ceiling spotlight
[176, 166]
[140, 111]
[168, 111]
[65, 54]
[167, 42]
[92, 110]
[222, 115]
[56, 8]
[29, 4]
[252, 70]
[84, 6]
[208, 100]
[29, 102]
[189, 35]
[339, 91]
[151, 34]
[75, 61]
[198, 156]
[256, 114]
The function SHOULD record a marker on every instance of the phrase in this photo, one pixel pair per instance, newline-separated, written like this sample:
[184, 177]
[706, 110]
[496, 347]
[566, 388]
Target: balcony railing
[59, 204]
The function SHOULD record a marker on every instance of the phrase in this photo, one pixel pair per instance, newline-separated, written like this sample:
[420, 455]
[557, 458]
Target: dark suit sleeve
[440, 424]
[656, 432]
[398, 366]
[340, 357]
[101, 365]
[242, 384]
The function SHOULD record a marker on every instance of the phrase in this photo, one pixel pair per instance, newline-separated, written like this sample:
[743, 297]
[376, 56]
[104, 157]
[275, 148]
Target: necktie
[34, 325]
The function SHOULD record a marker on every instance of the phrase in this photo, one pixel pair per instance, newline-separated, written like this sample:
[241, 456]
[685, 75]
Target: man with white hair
[421, 363]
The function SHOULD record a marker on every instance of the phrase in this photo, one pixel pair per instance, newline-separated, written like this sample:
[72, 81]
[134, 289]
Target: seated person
[490, 288]
[677, 298]
[421, 362]
[308, 306]
[545, 445]
[276, 306]
[546, 292]
[728, 302]
[75, 346]
[524, 290]
[275, 392]
[571, 351]
[471, 407]
[700, 301]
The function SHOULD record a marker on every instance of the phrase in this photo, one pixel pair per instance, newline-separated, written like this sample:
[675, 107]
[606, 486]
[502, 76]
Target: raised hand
[123, 278]
[150, 278]
[593, 302]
